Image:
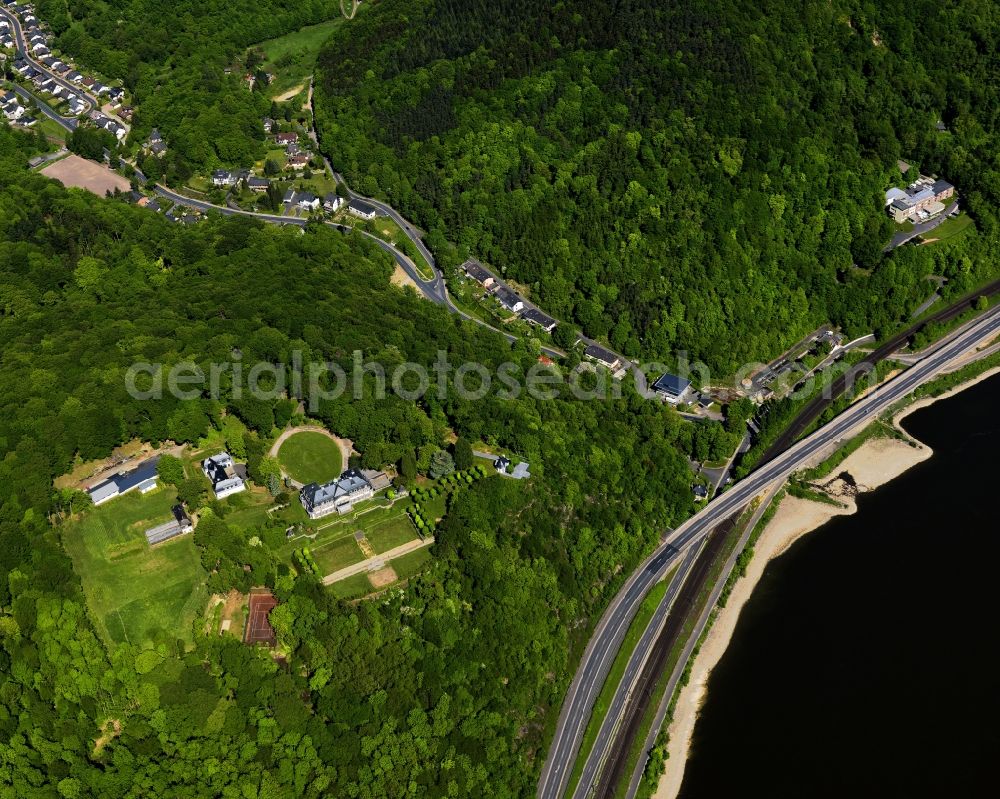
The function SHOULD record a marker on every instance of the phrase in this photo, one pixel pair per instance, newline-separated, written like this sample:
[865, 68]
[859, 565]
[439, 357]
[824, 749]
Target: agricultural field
[135, 592]
[311, 457]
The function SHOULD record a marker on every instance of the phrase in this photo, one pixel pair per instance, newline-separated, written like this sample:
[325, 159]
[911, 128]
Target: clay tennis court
[83, 174]
[259, 630]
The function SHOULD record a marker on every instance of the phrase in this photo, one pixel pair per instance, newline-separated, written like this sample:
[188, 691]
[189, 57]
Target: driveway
[904, 236]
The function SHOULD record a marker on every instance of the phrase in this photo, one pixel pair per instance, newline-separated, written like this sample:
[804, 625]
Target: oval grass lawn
[310, 457]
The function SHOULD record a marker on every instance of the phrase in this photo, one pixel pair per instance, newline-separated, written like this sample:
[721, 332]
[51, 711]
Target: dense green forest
[174, 60]
[704, 177]
[696, 176]
[446, 689]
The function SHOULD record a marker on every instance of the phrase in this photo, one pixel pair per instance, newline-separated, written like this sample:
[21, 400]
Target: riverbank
[874, 463]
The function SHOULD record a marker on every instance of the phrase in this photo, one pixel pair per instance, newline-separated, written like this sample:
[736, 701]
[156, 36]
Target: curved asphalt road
[22, 45]
[434, 290]
[611, 628]
[65, 122]
[633, 668]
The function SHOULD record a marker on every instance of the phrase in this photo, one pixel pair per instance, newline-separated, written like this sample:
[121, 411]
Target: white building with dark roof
[362, 209]
[337, 496]
[226, 477]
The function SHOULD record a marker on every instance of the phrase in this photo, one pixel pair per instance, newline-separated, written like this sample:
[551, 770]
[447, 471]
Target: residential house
[257, 184]
[603, 356]
[508, 299]
[479, 273]
[159, 148]
[268, 124]
[672, 388]
[226, 477]
[700, 492]
[40, 49]
[74, 77]
[536, 317]
[116, 95]
[12, 109]
[116, 128]
[87, 82]
[338, 496]
[286, 138]
[297, 162]
[332, 202]
[302, 199]
[362, 209]
[502, 463]
[223, 177]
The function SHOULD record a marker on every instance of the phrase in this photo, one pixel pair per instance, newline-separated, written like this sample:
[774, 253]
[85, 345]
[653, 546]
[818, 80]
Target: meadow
[135, 592]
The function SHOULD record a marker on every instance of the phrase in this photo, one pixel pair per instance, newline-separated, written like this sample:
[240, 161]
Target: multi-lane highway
[611, 628]
[634, 667]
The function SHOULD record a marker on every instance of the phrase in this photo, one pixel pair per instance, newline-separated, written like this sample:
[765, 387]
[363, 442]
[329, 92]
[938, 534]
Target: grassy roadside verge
[656, 763]
[715, 571]
[632, 636]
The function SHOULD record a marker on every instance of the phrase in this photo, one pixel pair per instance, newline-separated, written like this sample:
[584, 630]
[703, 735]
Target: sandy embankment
[874, 463]
[400, 278]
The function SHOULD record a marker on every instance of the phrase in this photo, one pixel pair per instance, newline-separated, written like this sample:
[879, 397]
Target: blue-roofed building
[672, 388]
[142, 477]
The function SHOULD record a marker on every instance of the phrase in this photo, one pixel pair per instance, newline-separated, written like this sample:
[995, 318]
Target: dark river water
[867, 662]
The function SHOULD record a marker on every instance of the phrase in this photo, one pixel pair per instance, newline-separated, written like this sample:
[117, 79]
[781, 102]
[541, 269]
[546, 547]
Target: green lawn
[391, 533]
[311, 457]
[135, 592]
[412, 563]
[387, 230]
[950, 228]
[292, 57]
[337, 554]
[405, 567]
[356, 585]
[248, 510]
